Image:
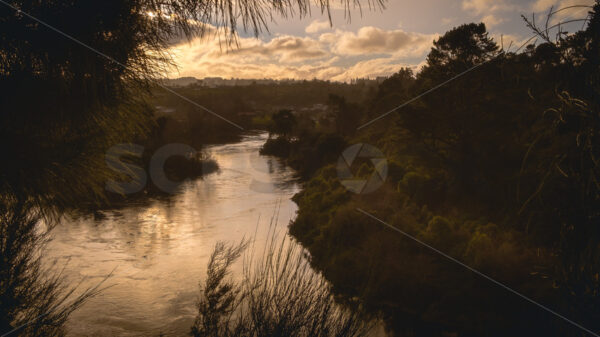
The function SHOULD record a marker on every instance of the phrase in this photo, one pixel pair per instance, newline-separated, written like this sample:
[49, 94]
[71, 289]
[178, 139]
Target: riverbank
[501, 177]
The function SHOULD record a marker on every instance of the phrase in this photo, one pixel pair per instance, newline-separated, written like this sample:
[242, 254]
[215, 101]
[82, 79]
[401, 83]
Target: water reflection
[160, 248]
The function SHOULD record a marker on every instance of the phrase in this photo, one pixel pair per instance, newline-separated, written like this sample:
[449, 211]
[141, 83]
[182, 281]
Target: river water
[159, 249]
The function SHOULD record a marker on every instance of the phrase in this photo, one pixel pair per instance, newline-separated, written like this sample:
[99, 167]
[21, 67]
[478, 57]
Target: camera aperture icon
[367, 178]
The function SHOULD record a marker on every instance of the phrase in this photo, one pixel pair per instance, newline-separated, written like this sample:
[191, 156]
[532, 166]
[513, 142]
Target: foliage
[220, 297]
[279, 147]
[499, 170]
[76, 77]
[283, 123]
[279, 295]
[33, 299]
[250, 106]
[458, 50]
[87, 101]
[346, 115]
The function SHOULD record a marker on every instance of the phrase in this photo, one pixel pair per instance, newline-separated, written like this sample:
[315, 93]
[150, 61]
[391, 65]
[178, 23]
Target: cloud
[228, 69]
[358, 49]
[574, 13]
[491, 21]
[495, 12]
[489, 6]
[447, 21]
[285, 48]
[372, 40]
[317, 26]
[338, 55]
[544, 6]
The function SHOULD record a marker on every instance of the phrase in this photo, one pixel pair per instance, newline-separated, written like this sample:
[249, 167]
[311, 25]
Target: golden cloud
[338, 55]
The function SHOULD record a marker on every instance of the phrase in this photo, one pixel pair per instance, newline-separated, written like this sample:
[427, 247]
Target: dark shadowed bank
[499, 169]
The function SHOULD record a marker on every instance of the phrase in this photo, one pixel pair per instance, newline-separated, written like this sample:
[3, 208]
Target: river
[159, 249]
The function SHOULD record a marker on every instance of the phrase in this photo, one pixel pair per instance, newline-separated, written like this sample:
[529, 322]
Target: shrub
[33, 300]
[279, 147]
[279, 295]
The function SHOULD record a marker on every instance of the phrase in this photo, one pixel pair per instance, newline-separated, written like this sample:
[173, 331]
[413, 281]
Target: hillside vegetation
[498, 169]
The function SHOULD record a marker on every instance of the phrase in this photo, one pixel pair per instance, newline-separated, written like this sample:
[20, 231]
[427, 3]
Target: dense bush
[33, 299]
[502, 175]
[279, 147]
[278, 295]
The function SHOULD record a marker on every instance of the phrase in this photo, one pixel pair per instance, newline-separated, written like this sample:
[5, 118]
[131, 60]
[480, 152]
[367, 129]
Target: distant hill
[180, 82]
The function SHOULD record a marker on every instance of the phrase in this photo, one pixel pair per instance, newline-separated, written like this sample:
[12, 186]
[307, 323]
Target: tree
[283, 123]
[458, 50]
[347, 115]
[66, 99]
[563, 163]
[454, 113]
[64, 103]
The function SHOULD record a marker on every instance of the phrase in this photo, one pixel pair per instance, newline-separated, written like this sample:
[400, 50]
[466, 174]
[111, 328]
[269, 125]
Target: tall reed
[34, 300]
[278, 294]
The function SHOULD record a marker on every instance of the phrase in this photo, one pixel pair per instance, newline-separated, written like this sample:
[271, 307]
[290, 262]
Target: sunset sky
[377, 43]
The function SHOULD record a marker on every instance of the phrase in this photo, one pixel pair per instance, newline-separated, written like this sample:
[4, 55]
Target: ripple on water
[160, 249]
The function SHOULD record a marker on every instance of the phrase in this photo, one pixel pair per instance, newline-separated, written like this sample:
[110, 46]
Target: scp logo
[356, 154]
